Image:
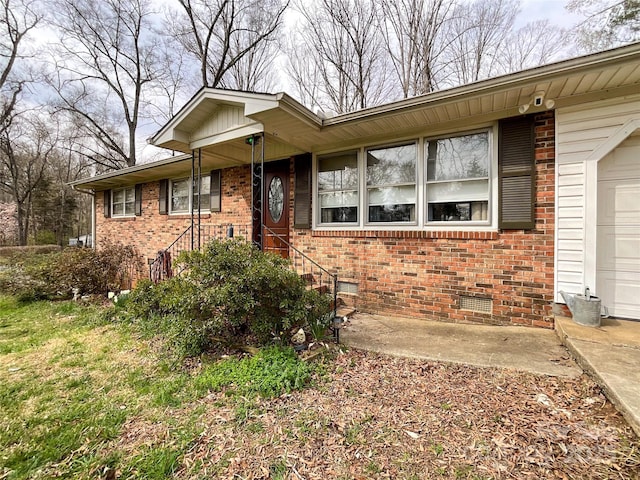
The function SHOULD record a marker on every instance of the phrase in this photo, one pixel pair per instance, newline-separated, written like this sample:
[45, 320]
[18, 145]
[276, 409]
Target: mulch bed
[382, 417]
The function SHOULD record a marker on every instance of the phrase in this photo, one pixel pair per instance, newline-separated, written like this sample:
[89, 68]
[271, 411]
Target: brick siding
[423, 274]
[151, 231]
[407, 273]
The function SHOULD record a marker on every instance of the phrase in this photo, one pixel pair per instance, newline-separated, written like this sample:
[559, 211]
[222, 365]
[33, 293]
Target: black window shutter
[215, 190]
[138, 200]
[302, 192]
[162, 197]
[107, 203]
[516, 166]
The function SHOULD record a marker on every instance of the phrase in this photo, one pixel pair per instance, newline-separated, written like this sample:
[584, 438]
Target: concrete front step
[345, 312]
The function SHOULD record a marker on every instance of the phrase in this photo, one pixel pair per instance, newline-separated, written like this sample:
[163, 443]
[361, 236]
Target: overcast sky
[552, 9]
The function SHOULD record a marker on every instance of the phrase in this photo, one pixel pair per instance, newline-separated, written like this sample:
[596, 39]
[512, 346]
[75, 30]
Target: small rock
[299, 337]
[544, 400]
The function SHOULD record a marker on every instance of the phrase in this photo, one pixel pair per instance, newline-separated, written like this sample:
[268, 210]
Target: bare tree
[16, 21]
[342, 40]
[304, 75]
[534, 44]
[606, 24]
[226, 37]
[27, 144]
[104, 61]
[477, 32]
[56, 207]
[255, 70]
[174, 85]
[413, 31]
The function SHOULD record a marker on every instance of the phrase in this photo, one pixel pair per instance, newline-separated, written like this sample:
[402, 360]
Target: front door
[276, 208]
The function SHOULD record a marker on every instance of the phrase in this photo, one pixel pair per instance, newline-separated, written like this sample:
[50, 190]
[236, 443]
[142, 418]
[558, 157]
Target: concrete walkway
[530, 349]
[611, 353]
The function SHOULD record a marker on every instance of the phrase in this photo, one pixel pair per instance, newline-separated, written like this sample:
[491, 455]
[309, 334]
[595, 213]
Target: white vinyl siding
[581, 134]
[570, 226]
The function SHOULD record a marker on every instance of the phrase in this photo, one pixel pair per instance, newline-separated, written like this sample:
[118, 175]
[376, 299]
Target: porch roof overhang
[217, 122]
[145, 172]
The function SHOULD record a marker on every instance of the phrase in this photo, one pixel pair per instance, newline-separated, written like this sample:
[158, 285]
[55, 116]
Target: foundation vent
[348, 287]
[475, 304]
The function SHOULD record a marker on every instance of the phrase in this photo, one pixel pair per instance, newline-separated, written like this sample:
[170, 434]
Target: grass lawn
[80, 399]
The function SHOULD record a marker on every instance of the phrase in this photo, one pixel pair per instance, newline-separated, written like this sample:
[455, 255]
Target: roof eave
[93, 182]
[479, 88]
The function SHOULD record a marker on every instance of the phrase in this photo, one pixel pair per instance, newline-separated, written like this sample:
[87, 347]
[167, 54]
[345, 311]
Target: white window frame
[318, 214]
[422, 223]
[124, 213]
[191, 195]
[366, 220]
[490, 174]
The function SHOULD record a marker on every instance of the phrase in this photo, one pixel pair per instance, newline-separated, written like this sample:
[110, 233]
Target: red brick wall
[151, 231]
[419, 274]
[422, 274]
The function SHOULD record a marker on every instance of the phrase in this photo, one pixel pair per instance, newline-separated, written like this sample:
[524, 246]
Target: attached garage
[598, 204]
[618, 241]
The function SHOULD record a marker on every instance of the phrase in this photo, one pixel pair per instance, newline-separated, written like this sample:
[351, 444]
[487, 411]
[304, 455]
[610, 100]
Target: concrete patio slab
[521, 348]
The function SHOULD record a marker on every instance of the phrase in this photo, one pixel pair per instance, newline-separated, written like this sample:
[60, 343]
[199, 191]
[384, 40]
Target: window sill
[182, 216]
[452, 234]
[123, 218]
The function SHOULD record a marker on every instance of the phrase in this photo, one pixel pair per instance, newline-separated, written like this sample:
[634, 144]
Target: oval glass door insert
[276, 199]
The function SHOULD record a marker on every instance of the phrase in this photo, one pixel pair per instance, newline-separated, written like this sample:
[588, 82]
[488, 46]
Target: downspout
[193, 160]
[199, 195]
[93, 212]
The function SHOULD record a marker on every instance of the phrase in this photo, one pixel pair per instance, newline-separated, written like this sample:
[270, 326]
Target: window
[181, 198]
[123, 202]
[457, 187]
[438, 183]
[391, 183]
[338, 187]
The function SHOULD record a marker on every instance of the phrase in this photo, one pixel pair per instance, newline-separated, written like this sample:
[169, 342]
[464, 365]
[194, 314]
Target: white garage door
[618, 247]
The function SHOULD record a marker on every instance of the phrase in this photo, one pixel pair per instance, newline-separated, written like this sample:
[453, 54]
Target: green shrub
[45, 237]
[272, 372]
[228, 290]
[33, 276]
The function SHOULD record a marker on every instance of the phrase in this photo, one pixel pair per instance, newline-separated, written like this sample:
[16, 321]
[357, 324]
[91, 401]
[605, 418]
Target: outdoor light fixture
[537, 100]
[252, 140]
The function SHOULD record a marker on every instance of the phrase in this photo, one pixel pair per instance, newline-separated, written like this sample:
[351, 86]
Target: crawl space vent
[348, 287]
[475, 304]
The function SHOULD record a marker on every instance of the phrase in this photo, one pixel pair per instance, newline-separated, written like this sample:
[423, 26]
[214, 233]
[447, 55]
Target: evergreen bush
[229, 290]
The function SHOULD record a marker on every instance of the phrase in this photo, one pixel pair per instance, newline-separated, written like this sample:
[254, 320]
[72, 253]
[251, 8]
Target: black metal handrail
[311, 271]
[162, 266]
[306, 268]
